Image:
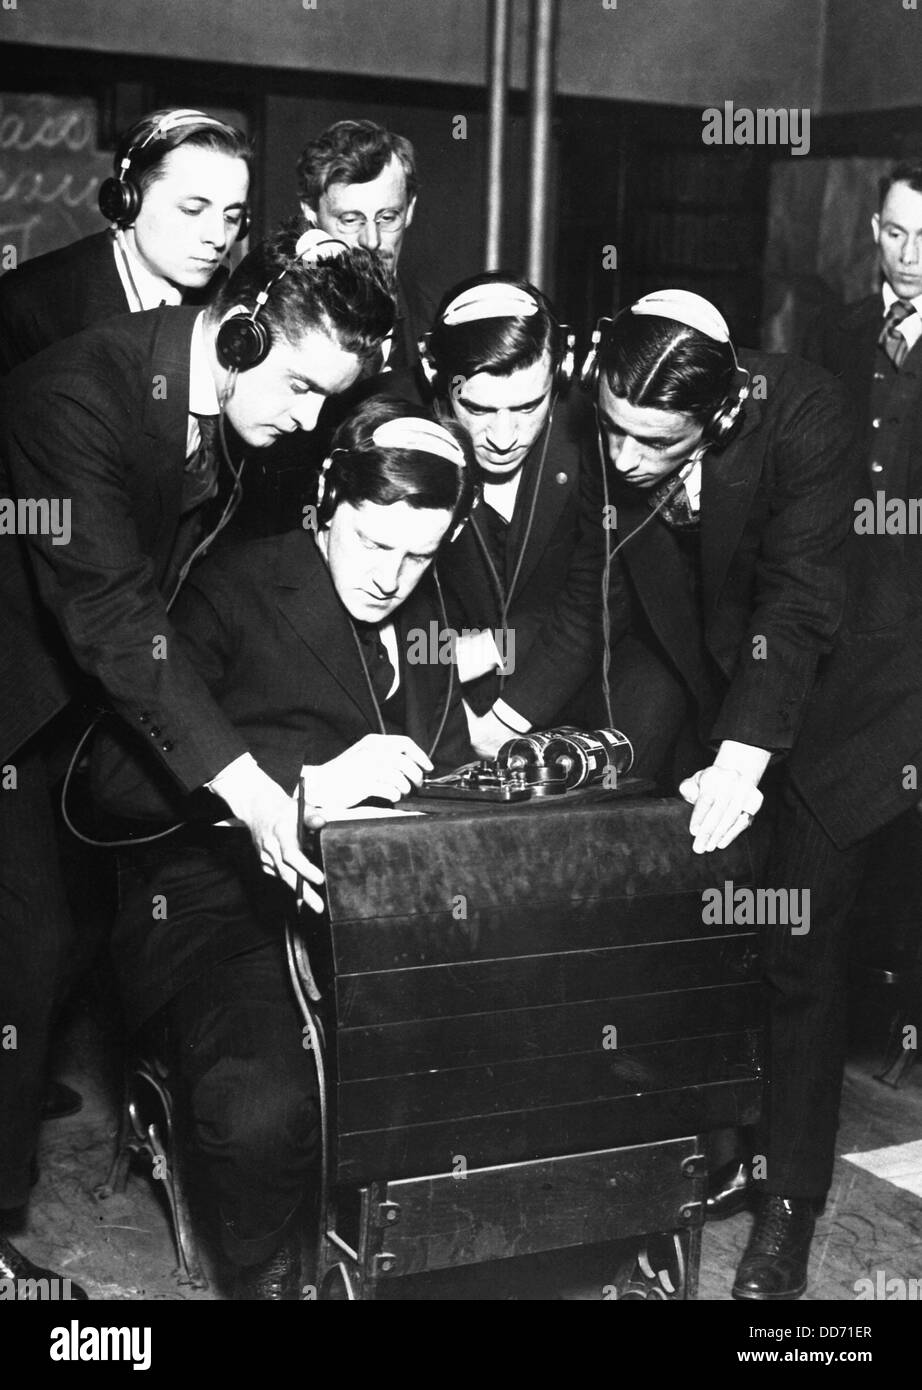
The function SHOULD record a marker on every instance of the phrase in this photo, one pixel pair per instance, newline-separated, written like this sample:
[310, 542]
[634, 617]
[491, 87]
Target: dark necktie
[891, 340]
[205, 458]
[200, 482]
[374, 654]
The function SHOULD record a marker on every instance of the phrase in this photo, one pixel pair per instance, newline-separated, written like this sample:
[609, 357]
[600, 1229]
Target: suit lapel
[104, 294]
[466, 564]
[309, 603]
[728, 481]
[662, 586]
[551, 500]
[166, 410]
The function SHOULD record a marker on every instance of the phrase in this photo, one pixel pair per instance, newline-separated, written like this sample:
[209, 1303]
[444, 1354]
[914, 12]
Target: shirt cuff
[476, 653]
[744, 758]
[510, 717]
[234, 782]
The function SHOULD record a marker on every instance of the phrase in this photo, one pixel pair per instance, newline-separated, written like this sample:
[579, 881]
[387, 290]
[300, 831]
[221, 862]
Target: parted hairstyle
[352, 152]
[346, 296]
[361, 471]
[147, 163]
[660, 364]
[496, 345]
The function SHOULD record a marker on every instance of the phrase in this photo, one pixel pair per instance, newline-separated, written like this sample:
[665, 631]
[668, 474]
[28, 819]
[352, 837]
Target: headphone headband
[496, 299]
[120, 197]
[316, 245]
[696, 312]
[684, 307]
[423, 436]
[243, 342]
[500, 299]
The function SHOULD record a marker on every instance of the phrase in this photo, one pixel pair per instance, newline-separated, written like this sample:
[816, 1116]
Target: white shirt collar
[890, 297]
[203, 394]
[501, 495]
[143, 290]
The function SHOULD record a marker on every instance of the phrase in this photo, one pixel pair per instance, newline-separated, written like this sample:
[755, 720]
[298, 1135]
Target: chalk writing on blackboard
[50, 170]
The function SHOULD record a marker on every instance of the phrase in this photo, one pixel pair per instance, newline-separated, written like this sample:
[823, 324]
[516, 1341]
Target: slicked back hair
[360, 471]
[499, 346]
[346, 296]
[660, 364]
[147, 163]
[907, 171]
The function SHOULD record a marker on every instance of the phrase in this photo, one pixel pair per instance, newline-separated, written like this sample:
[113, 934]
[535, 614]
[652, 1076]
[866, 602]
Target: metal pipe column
[498, 66]
[543, 54]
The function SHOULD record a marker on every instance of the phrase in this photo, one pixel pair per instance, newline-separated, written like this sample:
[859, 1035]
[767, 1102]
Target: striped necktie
[891, 340]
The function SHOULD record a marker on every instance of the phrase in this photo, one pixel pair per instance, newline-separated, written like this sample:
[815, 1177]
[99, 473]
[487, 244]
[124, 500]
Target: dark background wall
[687, 52]
[630, 170]
[446, 239]
[872, 53]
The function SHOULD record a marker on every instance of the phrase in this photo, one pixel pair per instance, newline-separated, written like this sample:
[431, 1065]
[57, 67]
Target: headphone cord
[233, 501]
[611, 552]
[504, 596]
[65, 814]
[382, 729]
[120, 243]
[229, 509]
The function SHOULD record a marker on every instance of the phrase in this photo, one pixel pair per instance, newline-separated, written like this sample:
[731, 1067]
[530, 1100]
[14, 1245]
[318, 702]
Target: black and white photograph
[461, 668]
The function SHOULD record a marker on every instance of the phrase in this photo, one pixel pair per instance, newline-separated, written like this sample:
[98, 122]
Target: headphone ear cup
[242, 343]
[589, 372]
[244, 227]
[119, 201]
[327, 498]
[566, 360]
[427, 369]
[726, 419]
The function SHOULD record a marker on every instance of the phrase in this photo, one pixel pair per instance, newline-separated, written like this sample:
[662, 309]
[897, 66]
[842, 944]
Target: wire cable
[504, 594]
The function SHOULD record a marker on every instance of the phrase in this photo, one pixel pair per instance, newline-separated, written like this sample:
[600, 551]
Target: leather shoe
[774, 1263]
[60, 1100]
[729, 1191]
[275, 1280]
[24, 1281]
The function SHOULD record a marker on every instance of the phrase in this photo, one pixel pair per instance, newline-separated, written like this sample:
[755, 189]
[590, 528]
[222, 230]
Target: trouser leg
[807, 978]
[35, 936]
[249, 1089]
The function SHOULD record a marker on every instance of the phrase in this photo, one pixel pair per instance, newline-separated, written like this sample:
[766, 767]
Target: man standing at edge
[121, 422]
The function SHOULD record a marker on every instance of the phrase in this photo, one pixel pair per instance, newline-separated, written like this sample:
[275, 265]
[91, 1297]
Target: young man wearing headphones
[120, 428]
[731, 521]
[730, 480]
[176, 204]
[304, 640]
[526, 573]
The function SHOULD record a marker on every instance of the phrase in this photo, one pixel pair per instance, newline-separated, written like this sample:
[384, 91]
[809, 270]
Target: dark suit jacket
[100, 420]
[863, 735]
[268, 633]
[264, 627]
[555, 604]
[844, 342]
[59, 294]
[774, 519]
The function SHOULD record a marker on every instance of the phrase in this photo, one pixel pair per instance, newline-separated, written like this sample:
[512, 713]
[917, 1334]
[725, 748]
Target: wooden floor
[121, 1248]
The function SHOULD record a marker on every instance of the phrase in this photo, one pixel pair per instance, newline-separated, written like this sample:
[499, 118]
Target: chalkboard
[50, 170]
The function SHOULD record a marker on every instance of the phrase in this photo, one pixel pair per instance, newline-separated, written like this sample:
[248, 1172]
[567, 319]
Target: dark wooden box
[532, 982]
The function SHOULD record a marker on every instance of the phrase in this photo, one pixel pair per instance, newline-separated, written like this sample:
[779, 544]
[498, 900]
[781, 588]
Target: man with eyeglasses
[358, 181]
